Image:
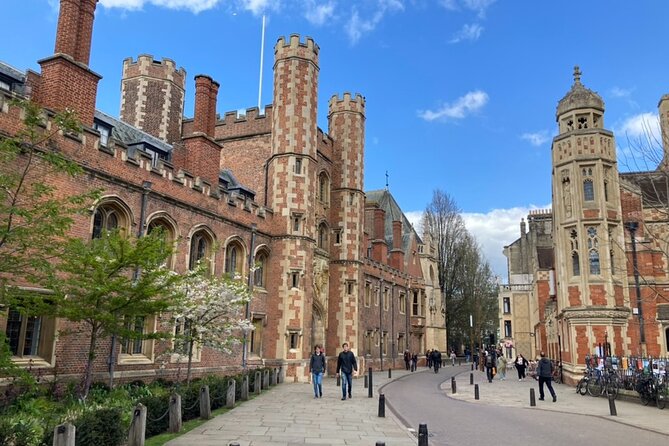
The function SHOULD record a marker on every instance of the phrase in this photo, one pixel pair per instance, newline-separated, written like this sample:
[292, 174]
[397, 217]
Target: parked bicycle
[604, 382]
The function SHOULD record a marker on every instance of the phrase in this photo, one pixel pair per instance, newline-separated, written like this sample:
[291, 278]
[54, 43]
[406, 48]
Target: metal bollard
[371, 381]
[453, 386]
[382, 405]
[422, 435]
[233, 444]
[390, 373]
[366, 377]
[472, 366]
[471, 379]
[533, 401]
[338, 381]
[612, 406]
[476, 391]
[459, 362]
[380, 443]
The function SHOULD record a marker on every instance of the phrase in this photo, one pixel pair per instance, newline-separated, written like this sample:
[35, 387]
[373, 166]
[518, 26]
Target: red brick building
[603, 286]
[268, 188]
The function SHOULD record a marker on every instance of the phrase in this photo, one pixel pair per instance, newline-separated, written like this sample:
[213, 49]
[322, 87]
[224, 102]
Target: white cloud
[492, 230]
[319, 14]
[478, 6]
[468, 32]
[536, 138]
[357, 26]
[461, 108]
[617, 92]
[643, 125]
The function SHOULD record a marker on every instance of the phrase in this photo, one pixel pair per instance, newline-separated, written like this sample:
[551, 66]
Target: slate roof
[130, 135]
[384, 199]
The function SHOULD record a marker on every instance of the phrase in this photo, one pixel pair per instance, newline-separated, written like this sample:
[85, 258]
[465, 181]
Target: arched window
[260, 273]
[108, 216]
[575, 265]
[234, 258]
[588, 185]
[324, 188]
[200, 248]
[167, 231]
[323, 236]
[593, 251]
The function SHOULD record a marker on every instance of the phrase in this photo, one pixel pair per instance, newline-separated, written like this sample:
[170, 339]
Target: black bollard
[422, 435]
[453, 386]
[471, 379]
[390, 373]
[612, 406]
[380, 443]
[533, 401]
[382, 405]
[472, 366]
[476, 391]
[459, 362]
[371, 380]
[338, 380]
[366, 381]
[234, 444]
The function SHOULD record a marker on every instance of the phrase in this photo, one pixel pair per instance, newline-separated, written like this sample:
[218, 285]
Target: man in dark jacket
[436, 360]
[490, 359]
[346, 364]
[317, 367]
[545, 373]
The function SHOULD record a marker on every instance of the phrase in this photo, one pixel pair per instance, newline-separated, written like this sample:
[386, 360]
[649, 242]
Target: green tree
[33, 219]
[108, 283]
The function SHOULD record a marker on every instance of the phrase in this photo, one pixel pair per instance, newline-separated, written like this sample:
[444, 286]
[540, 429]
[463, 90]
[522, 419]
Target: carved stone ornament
[598, 313]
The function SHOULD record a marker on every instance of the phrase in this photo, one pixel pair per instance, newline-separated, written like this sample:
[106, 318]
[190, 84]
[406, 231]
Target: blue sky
[461, 94]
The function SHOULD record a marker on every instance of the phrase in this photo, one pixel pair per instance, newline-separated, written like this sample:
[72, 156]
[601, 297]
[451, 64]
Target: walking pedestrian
[414, 362]
[428, 358]
[407, 358]
[501, 367]
[436, 360]
[489, 365]
[521, 365]
[347, 365]
[545, 374]
[317, 368]
[453, 356]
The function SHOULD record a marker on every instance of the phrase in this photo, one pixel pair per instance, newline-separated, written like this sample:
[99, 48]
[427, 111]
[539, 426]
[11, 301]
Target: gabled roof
[384, 200]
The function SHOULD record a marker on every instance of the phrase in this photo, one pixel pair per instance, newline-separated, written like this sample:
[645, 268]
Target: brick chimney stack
[396, 254]
[206, 92]
[66, 80]
[200, 155]
[379, 246]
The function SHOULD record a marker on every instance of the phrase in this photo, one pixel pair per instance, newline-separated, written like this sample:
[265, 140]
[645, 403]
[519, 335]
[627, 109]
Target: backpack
[488, 360]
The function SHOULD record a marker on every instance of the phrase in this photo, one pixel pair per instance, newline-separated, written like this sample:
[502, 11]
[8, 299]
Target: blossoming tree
[210, 312]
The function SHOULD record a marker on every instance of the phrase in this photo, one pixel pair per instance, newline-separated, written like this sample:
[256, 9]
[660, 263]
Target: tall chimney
[663, 111]
[66, 80]
[396, 254]
[206, 91]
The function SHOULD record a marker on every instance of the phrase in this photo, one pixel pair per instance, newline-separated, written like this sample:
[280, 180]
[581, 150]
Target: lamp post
[381, 323]
[632, 227]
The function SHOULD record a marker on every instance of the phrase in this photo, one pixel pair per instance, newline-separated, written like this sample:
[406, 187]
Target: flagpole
[262, 52]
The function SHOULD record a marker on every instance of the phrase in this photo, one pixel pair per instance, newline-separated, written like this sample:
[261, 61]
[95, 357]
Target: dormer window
[105, 132]
[156, 155]
[5, 86]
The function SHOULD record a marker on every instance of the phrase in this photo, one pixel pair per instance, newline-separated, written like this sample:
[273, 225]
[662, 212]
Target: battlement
[540, 212]
[295, 48]
[146, 65]
[347, 103]
[251, 122]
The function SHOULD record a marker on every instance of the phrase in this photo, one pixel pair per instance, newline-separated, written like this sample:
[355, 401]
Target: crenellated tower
[152, 96]
[590, 263]
[292, 180]
[346, 125]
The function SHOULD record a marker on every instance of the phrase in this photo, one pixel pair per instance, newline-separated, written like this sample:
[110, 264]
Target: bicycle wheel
[581, 386]
[661, 396]
[645, 395]
[594, 387]
[612, 389]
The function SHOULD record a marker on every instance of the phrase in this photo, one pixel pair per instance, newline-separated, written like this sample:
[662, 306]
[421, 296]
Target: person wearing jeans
[347, 365]
[317, 367]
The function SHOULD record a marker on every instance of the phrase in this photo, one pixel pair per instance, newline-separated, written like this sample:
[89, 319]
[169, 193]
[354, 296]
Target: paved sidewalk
[288, 414]
[513, 393]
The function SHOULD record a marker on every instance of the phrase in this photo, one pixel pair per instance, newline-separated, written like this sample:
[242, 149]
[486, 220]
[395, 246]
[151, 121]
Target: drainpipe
[632, 226]
[247, 309]
[381, 292]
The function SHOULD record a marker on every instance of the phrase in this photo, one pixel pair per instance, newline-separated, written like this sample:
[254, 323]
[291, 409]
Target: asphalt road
[417, 399]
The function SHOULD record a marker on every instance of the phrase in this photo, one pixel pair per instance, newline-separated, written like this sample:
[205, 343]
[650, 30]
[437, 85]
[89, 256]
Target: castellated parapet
[347, 103]
[295, 48]
[152, 96]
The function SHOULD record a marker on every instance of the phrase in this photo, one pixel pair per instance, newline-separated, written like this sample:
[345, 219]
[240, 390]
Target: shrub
[156, 406]
[101, 427]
